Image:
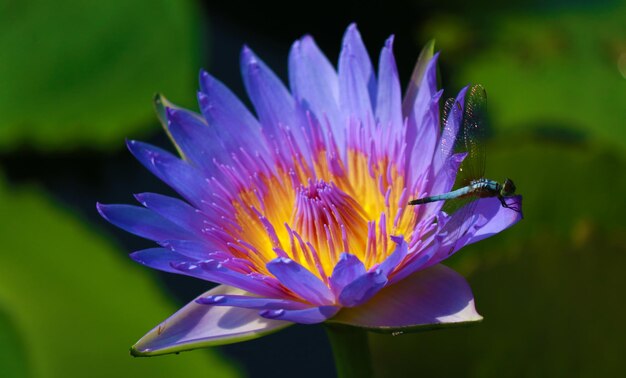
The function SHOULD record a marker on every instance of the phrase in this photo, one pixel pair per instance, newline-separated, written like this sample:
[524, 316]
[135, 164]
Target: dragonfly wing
[469, 135]
[464, 131]
[473, 134]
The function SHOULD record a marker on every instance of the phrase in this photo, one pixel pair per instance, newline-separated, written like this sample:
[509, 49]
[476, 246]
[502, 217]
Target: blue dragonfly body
[469, 139]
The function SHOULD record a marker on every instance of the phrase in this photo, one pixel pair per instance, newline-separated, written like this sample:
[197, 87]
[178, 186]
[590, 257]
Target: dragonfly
[466, 135]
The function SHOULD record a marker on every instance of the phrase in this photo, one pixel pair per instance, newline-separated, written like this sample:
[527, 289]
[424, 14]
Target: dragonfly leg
[507, 206]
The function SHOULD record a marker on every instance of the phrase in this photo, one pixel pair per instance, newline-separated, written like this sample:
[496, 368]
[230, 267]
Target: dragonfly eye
[508, 189]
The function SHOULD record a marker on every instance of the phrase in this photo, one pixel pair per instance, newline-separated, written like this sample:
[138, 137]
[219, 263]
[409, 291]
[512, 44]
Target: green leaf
[83, 73]
[561, 182]
[76, 303]
[552, 68]
[12, 353]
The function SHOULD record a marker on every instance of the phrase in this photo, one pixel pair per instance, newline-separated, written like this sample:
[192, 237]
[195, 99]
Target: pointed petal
[257, 303]
[232, 121]
[273, 103]
[160, 106]
[348, 269]
[442, 183]
[194, 249]
[450, 131]
[222, 108]
[142, 222]
[490, 218]
[423, 125]
[311, 76]
[422, 137]
[432, 298]
[197, 326]
[314, 83]
[362, 289]
[356, 73]
[216, 271]
[180, 176]
[160, 259]
[354, 99]
[175, 210]
[389, 97]
[499, 217]
[199, 142]
[423, 61]
[300, 280]
[414, 262]
[311, 315]
[396, 257]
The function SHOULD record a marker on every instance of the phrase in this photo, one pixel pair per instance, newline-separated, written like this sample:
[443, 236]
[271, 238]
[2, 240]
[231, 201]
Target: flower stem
[351, 351]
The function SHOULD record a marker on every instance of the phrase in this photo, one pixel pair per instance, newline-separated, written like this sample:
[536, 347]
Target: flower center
[313, 220]
[332, 221]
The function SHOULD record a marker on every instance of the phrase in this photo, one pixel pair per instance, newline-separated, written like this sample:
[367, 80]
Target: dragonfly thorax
[484, 188]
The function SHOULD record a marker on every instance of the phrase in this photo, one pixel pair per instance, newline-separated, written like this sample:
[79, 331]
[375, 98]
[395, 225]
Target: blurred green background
[77, 78]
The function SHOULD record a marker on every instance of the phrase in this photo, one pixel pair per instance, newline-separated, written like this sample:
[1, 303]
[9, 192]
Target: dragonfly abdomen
[478, 188]
[461, 192]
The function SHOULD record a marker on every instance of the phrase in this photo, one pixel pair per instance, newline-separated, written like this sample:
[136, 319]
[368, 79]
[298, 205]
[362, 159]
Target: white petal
[197, 326]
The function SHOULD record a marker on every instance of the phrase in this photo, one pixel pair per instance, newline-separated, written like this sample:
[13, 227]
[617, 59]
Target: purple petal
[354, 99]
[177, 211]
[183, 178]
[161, 104]
[142, 222]
[216, 271]
[422, 138]
[357, 83]
[160, 259]
[489, 218]
[200, 250]
[314, 83]
[362, 289]
[424, 67]
[427, 90]
[301, 281]
[414, 262]
[273, 103]
[429, 298]
[392, 261]
[252, 302]
[442, 183]
[450, 131]
[309, 316]
[421, 108]
[196, 326]
[348, 269]
[193, 249]
[232, 121]
[499, 217]
[199, 142]
[389, 97]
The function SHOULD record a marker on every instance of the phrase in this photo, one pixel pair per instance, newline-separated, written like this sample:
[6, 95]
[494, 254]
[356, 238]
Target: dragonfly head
[508, 188]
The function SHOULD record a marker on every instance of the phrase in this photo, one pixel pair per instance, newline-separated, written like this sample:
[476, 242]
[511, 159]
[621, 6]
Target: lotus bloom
[299, 210]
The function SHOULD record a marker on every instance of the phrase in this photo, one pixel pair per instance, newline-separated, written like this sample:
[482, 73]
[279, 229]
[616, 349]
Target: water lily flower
[299, 210]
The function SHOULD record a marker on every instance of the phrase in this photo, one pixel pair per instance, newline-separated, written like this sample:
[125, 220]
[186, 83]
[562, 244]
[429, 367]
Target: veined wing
[473, 134]
[470, 140]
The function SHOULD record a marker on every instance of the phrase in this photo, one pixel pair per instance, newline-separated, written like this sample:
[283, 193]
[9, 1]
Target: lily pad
[76, 304]
[554, 68]
[12, 353]
[83, 73]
